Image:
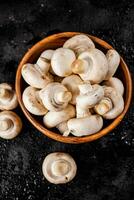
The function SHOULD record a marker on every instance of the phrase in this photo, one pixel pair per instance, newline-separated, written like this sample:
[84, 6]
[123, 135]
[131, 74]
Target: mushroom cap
[71, 83]
[47, 54]
[44, 61]
[8, 98]
[42, 65]
[85, 126]
[79, 43]
[59, 168]
[116, 84]
[117, 101]
[55, 96]
[90, 95]
[10, 125]
[113, 59]
[53, 118]
[61, 61]
[34, 77]
[92, 66]
[33, 102]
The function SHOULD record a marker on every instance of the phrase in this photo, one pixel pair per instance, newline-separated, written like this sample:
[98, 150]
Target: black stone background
[106, 166]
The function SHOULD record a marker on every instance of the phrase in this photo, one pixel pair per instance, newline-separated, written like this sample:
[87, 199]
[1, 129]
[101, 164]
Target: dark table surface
[106, 166]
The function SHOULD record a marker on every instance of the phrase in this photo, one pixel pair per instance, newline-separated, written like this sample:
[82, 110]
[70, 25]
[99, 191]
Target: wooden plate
[53, 42]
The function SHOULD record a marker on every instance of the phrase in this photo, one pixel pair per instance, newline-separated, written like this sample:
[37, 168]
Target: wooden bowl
[53, 42]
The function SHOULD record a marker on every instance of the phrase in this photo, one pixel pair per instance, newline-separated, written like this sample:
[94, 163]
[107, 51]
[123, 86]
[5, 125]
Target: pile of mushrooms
[10, 122]
[73, 87]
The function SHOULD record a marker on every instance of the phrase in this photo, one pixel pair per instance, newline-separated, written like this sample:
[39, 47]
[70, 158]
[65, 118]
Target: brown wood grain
[53, 42]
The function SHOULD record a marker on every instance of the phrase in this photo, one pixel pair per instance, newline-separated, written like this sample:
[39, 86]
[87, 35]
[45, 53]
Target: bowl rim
[56, 136]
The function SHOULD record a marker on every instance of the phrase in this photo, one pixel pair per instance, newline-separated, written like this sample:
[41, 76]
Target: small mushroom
[113, 62]
[116, 84]
[91, 65]
[89, 96]
[79, 43]
[55, 96]
[84, 126]
[61, 62]
[103, 106]
[8, 98]
[117, 102]
[44, 61]
[59, 168]
[71, 83]
[34, 77]
[33, 102]
[53, 118]
[10, 125]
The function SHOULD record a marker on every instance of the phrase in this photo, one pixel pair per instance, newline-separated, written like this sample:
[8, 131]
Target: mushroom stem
[4, 93]
[82, 112]
[60, 167]
[62, 97]
[103, 106]
[5, 124]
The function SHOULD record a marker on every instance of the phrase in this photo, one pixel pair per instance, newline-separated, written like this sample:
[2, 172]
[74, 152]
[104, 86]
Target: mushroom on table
[59, 168]
[8, 98]
[10, 124]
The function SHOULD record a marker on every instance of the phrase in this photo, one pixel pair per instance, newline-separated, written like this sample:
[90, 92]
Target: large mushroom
[71, 83]
[91, 65]
[61, 61]
[116, 84]
[8, 98]
[113, 59]
[84, 126]
[55, 96]
[59, 168]
[53, 118]
[10, 125]
[114, 106]
[79, 43]
[32, 101]
[34, 77]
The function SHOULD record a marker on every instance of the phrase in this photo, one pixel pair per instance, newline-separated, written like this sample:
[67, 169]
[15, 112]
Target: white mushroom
[53, 118]
[89, 96]
[44, 61]
[10, 125]
[116, 84]
[8, 98]
[34, 77]
[61, 61]
[55, 96]
[117, 103]
[79, 43]
[113, 62]
[84, 126]
[71, 83]
[91, 65]
[33, 102]
[59, 168]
